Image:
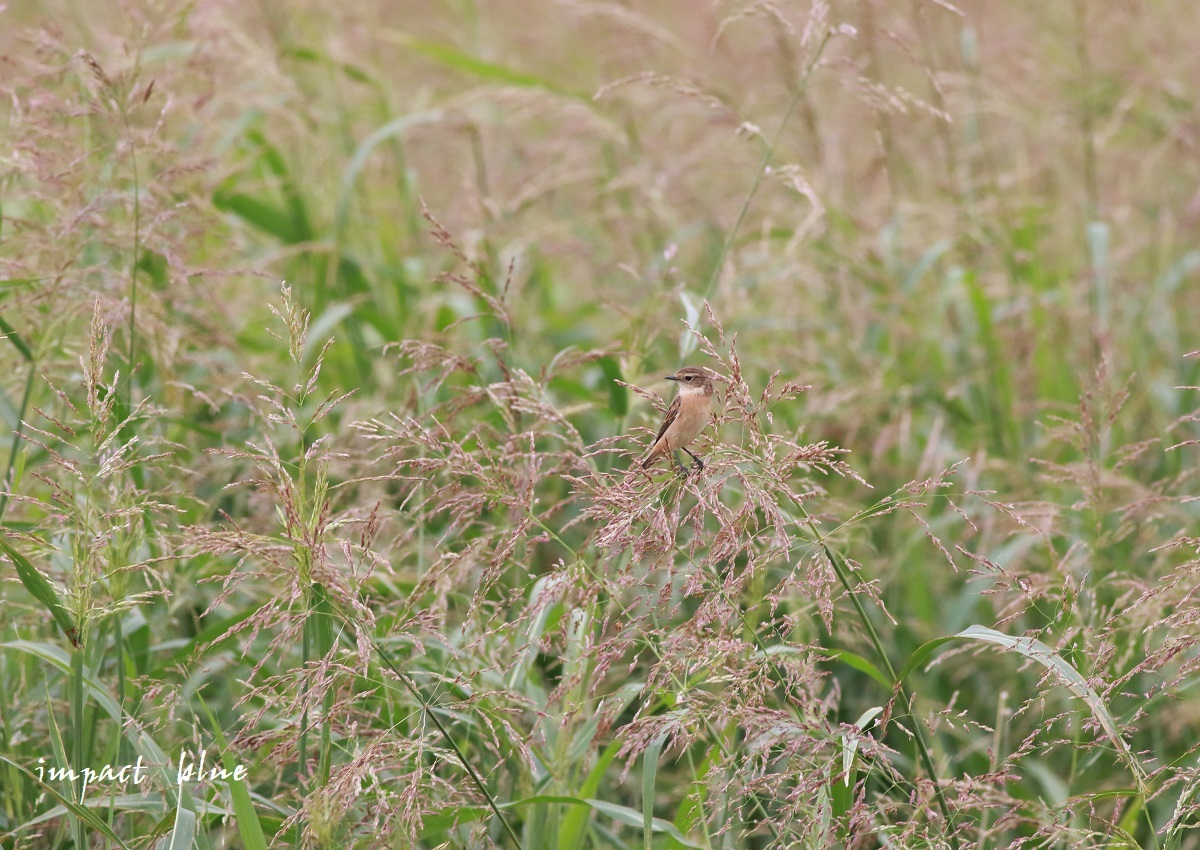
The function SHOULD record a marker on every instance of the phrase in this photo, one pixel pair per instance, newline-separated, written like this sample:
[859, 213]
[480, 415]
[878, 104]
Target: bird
[689, 413]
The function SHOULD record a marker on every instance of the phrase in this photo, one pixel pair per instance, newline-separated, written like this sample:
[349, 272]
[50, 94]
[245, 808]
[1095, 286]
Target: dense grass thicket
[331, 333]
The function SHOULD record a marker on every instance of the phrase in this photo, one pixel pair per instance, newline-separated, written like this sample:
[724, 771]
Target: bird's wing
[672, 415]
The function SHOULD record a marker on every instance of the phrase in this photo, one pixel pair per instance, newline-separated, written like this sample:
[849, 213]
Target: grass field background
[331, 332]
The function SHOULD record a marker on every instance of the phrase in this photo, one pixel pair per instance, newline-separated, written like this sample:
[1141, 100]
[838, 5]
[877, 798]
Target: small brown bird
[687, 416]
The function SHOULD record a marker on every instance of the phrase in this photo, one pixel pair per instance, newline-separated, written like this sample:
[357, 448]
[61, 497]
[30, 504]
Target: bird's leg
[699, 463]
[682, 469]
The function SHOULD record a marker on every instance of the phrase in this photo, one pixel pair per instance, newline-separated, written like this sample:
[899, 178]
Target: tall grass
[333, 335]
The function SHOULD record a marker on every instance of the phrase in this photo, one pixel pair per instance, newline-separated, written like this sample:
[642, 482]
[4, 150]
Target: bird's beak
[670, 378]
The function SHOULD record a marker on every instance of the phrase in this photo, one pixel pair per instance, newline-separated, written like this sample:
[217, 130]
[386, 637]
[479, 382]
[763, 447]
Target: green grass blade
[39, 588]
[573, 826]
[15, 338]
[920, 655]
[631, 817]
[396, 127]
[183, 833]
[249, 826]
[265, 216]
[857, 662]
[1069, 677]
[488, 72]
[81, 811]
[618, 395]
[649, 775]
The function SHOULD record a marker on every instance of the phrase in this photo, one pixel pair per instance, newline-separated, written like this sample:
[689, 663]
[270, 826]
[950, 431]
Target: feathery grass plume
[96, 516]
[306, 562]
[441, 612]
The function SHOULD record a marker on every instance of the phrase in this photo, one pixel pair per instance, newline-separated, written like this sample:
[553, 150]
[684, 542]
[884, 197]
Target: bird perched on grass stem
[687, 416]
